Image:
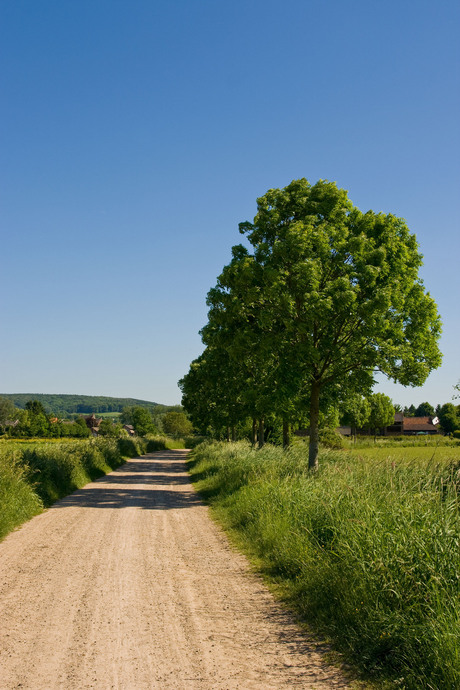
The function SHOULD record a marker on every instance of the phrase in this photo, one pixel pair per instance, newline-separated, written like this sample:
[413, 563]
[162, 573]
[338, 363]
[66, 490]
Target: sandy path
[128, 584]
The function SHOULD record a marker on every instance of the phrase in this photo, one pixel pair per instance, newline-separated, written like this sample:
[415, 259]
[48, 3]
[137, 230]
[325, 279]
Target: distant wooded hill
[71, 404]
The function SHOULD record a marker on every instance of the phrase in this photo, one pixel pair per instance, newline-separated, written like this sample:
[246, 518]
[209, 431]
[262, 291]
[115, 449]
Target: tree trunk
[228, 434]
[261, 433]
[233, 434]
[254, 431]
[286, 439]
[314, 427]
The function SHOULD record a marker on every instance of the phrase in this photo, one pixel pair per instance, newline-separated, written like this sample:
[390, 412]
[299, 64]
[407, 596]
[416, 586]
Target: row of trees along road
[326, 296]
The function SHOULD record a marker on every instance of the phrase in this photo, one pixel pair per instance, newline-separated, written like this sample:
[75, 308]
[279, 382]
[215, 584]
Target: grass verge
[367, 551]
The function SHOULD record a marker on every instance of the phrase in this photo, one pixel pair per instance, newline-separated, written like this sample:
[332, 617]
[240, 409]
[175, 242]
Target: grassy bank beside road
[36, 473]
[367, 550]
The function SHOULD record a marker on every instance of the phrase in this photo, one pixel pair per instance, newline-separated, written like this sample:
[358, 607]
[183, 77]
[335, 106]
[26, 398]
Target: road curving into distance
[128, 584]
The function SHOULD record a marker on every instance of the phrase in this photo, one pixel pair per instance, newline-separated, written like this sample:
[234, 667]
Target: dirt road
[128, 584]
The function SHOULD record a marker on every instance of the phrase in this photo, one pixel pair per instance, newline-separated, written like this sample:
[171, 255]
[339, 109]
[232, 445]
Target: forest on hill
[64, 405]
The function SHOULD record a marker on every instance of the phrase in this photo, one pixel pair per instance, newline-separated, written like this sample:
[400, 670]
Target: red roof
[418, 424]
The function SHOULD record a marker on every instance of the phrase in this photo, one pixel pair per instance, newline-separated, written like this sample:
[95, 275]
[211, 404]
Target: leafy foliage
[7, 411]
[449, 417]
[328, 295]
[381, 412]
[177, 424]
[424, 410]
[140, 419]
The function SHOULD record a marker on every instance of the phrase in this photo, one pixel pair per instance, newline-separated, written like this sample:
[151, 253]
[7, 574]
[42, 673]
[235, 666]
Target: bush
[193, 441]
[36, 473]
[132, 447]
[330, 438]
[154, 444]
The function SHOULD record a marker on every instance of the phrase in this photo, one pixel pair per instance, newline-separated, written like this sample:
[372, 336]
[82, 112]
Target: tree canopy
[177, 424]
[328, 296]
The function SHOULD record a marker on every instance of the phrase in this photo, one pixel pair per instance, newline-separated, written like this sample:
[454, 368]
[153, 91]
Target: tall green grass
[18, 500]
[368, 551]
[159, 442]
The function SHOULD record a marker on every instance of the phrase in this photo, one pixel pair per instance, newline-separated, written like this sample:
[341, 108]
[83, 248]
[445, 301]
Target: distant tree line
[171, 421]
[67, 405]
[34, 421]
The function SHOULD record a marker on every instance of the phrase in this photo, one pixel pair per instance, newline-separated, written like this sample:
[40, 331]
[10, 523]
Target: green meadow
[436, 454]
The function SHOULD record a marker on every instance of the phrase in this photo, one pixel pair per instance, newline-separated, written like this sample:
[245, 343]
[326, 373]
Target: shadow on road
[149, 482]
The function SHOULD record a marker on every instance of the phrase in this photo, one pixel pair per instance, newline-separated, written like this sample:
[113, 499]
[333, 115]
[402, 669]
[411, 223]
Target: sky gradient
[137, 135]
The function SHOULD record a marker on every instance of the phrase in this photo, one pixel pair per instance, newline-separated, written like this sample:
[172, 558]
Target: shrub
[158, 442]
[154, 444]
[132, 447]
[330, 438]
[193, 441]
[35, 473]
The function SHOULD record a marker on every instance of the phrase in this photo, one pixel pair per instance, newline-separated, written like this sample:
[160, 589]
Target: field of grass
[436, 441]
[367, 549]
[411, 453]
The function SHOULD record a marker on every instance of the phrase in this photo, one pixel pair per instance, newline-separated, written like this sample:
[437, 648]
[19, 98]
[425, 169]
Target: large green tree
[425, 409]
[212, 392]
[449, 418]
[177, 424]
[140, 418]
[381, 413]
[340, 291]
[263, 369]
[357, 412]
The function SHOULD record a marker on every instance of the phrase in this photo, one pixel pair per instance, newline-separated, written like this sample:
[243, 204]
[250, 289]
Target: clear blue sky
[135, 136]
